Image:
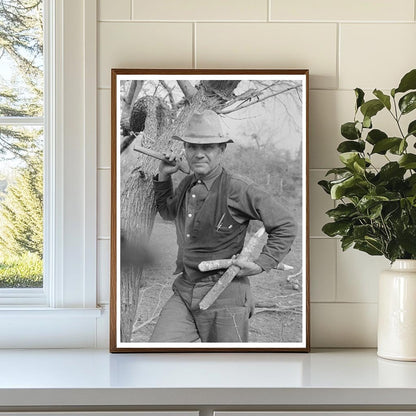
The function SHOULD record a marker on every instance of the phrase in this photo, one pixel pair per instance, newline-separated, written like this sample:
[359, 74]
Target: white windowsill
[35, 312]
[40, 327]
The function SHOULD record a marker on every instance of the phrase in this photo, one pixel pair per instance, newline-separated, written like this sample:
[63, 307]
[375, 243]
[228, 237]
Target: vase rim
[404, 264]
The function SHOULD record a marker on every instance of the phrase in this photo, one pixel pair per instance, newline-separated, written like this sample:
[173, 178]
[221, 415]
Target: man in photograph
[212, 208]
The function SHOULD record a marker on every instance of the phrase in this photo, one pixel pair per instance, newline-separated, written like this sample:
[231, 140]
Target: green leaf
[338, 171]
[407, 240]
[359, 95]
[408, 103]
[342, 211]
[367, 122]
[349, 131]
[359, 232]
[385, 99]
[383, 145]
[346, 242]
[399, 148]
[375, 212]
[338, 189]
[336, 228]
[350, 146]
[325, 186]
[411, 182]
[408, 82]
[411, 130]
[371, 108]
[359, 166]
[391, 170]
[348, 158]
[393, 250]
[369, 248]
[353, 187]
[369, 201]
[374, 136]
[402, 147]
[408, 161]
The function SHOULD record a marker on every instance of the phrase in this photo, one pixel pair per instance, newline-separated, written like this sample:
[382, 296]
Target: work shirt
[244, 201]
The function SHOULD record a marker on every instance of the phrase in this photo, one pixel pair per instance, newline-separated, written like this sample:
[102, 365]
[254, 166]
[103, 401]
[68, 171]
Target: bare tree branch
[257, 101]
[127, 141]
[169, 90]
[156, 311]
[292, 309]
[188, 89]
[133, 92]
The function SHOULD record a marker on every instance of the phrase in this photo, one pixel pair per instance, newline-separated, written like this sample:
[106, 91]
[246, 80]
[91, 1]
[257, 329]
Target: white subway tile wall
[339, 325]
[270, 45]
[322, 269]
[142, 45]
[114, 10]
[385, 50]
[357, 275]
[352, 10]
[103, 270]
[344, 44]
[200, 10]
[104, 128]
[104, 202]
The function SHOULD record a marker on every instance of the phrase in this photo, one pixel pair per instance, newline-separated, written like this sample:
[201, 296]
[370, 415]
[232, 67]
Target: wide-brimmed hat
[204, 128]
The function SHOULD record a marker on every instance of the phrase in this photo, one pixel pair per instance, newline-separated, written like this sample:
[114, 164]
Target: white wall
[345, 44]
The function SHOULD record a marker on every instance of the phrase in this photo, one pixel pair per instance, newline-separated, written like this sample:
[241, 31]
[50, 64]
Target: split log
[207, 266]
[231, 272]
[183, 166]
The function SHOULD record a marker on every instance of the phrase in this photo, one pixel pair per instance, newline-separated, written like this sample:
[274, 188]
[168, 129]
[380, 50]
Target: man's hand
[168, 167]
[247, 268]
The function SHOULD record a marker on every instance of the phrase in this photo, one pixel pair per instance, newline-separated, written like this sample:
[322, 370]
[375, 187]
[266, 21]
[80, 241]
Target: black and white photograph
[209, 210]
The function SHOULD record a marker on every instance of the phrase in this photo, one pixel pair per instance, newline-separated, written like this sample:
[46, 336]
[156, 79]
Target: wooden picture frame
[265, 112]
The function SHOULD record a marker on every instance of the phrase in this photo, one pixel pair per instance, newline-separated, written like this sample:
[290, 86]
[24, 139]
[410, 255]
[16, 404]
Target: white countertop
[96, 377]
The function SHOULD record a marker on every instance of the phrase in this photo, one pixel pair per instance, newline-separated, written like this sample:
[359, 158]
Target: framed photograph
[209, 211]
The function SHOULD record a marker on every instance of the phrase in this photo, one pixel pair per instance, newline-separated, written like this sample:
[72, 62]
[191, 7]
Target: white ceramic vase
[397, 312]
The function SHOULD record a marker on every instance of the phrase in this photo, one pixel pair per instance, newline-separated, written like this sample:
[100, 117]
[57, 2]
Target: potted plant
[376, 209]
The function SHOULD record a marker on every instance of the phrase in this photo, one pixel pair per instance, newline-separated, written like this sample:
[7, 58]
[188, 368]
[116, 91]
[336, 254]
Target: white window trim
[66, 316]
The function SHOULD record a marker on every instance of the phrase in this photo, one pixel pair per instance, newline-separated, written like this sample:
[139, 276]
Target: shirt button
[189, 215]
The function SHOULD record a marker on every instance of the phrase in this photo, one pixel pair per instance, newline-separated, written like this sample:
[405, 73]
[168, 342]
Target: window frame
[70, 209]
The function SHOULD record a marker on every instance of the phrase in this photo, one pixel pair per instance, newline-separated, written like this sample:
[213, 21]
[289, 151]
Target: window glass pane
[21, 209]
[21, 145]
[21, 58]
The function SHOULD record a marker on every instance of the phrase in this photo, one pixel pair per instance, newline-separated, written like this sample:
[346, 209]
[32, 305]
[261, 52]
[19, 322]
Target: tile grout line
[345, 302]
[131, 10]
[307, 22]
[194, 62]
[336, 271]
[269, 11]
[338, 65]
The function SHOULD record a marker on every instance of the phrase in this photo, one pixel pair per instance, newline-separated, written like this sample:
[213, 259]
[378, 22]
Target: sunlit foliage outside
[21, 143]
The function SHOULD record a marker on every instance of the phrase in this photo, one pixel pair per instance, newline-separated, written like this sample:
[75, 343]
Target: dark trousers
[226, 320]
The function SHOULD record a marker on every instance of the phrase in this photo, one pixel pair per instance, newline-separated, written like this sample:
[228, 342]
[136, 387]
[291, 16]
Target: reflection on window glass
[21, 143]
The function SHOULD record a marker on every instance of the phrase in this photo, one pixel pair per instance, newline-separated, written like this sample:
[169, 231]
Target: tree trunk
[127, 103]
[137, 206]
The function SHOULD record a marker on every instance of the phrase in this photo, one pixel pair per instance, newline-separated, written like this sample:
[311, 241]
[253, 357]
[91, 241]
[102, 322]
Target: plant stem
[397, 118]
